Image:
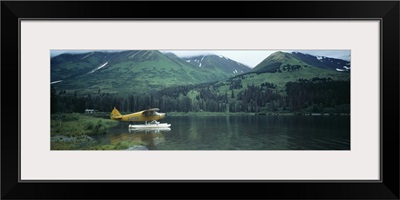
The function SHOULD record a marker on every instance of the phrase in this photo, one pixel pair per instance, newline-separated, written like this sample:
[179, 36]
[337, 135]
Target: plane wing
[150, 112]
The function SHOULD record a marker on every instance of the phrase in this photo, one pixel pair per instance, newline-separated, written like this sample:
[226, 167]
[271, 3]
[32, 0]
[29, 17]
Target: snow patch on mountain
[55, 82]
[87, 55]
[101, 66]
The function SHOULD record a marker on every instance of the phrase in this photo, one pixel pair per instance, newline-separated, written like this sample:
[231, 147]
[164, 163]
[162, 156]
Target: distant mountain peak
[280, 61]
[217, 62]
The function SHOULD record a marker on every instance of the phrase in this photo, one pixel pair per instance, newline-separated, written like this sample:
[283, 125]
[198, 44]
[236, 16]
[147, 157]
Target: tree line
[315, 95]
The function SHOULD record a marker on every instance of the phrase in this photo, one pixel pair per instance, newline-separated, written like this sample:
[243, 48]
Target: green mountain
[323, 62]
[275, 62]
[280, 68]
[126, 72]
[282, 61]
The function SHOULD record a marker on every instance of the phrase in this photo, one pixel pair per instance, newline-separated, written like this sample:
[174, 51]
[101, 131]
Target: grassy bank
[75, 124]
[80, 145]
[73, 131]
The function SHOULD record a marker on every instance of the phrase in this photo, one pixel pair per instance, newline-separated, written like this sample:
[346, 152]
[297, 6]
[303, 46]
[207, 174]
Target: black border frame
[387, 12]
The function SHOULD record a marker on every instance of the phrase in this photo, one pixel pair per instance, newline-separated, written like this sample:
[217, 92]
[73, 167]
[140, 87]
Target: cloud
[58, 52]
[247, 57]
[340, 54]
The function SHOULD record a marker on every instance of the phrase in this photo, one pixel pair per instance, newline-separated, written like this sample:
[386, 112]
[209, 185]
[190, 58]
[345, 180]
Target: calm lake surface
[241, 133]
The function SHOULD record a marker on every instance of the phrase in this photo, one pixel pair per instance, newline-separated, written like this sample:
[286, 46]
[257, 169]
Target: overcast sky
[248, 57]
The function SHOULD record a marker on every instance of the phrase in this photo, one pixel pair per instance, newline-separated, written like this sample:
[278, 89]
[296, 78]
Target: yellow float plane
[142, 116]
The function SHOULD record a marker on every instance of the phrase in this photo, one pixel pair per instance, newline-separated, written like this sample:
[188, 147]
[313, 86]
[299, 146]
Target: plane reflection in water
[151, 137]
[148, 138]
[148, 133]
[148, 130]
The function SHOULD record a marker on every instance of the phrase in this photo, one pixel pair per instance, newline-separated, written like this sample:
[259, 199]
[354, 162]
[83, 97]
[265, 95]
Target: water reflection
[136, 139]
[238, 133]
[151, 137]
[148, 130]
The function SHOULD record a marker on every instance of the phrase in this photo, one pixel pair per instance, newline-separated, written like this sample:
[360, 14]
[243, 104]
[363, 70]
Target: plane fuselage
[139, 117]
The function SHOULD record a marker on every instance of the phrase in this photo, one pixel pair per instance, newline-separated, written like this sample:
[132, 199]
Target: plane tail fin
[115, 114]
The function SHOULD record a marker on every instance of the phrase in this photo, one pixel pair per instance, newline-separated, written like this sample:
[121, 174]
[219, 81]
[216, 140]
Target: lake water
[241, 133]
